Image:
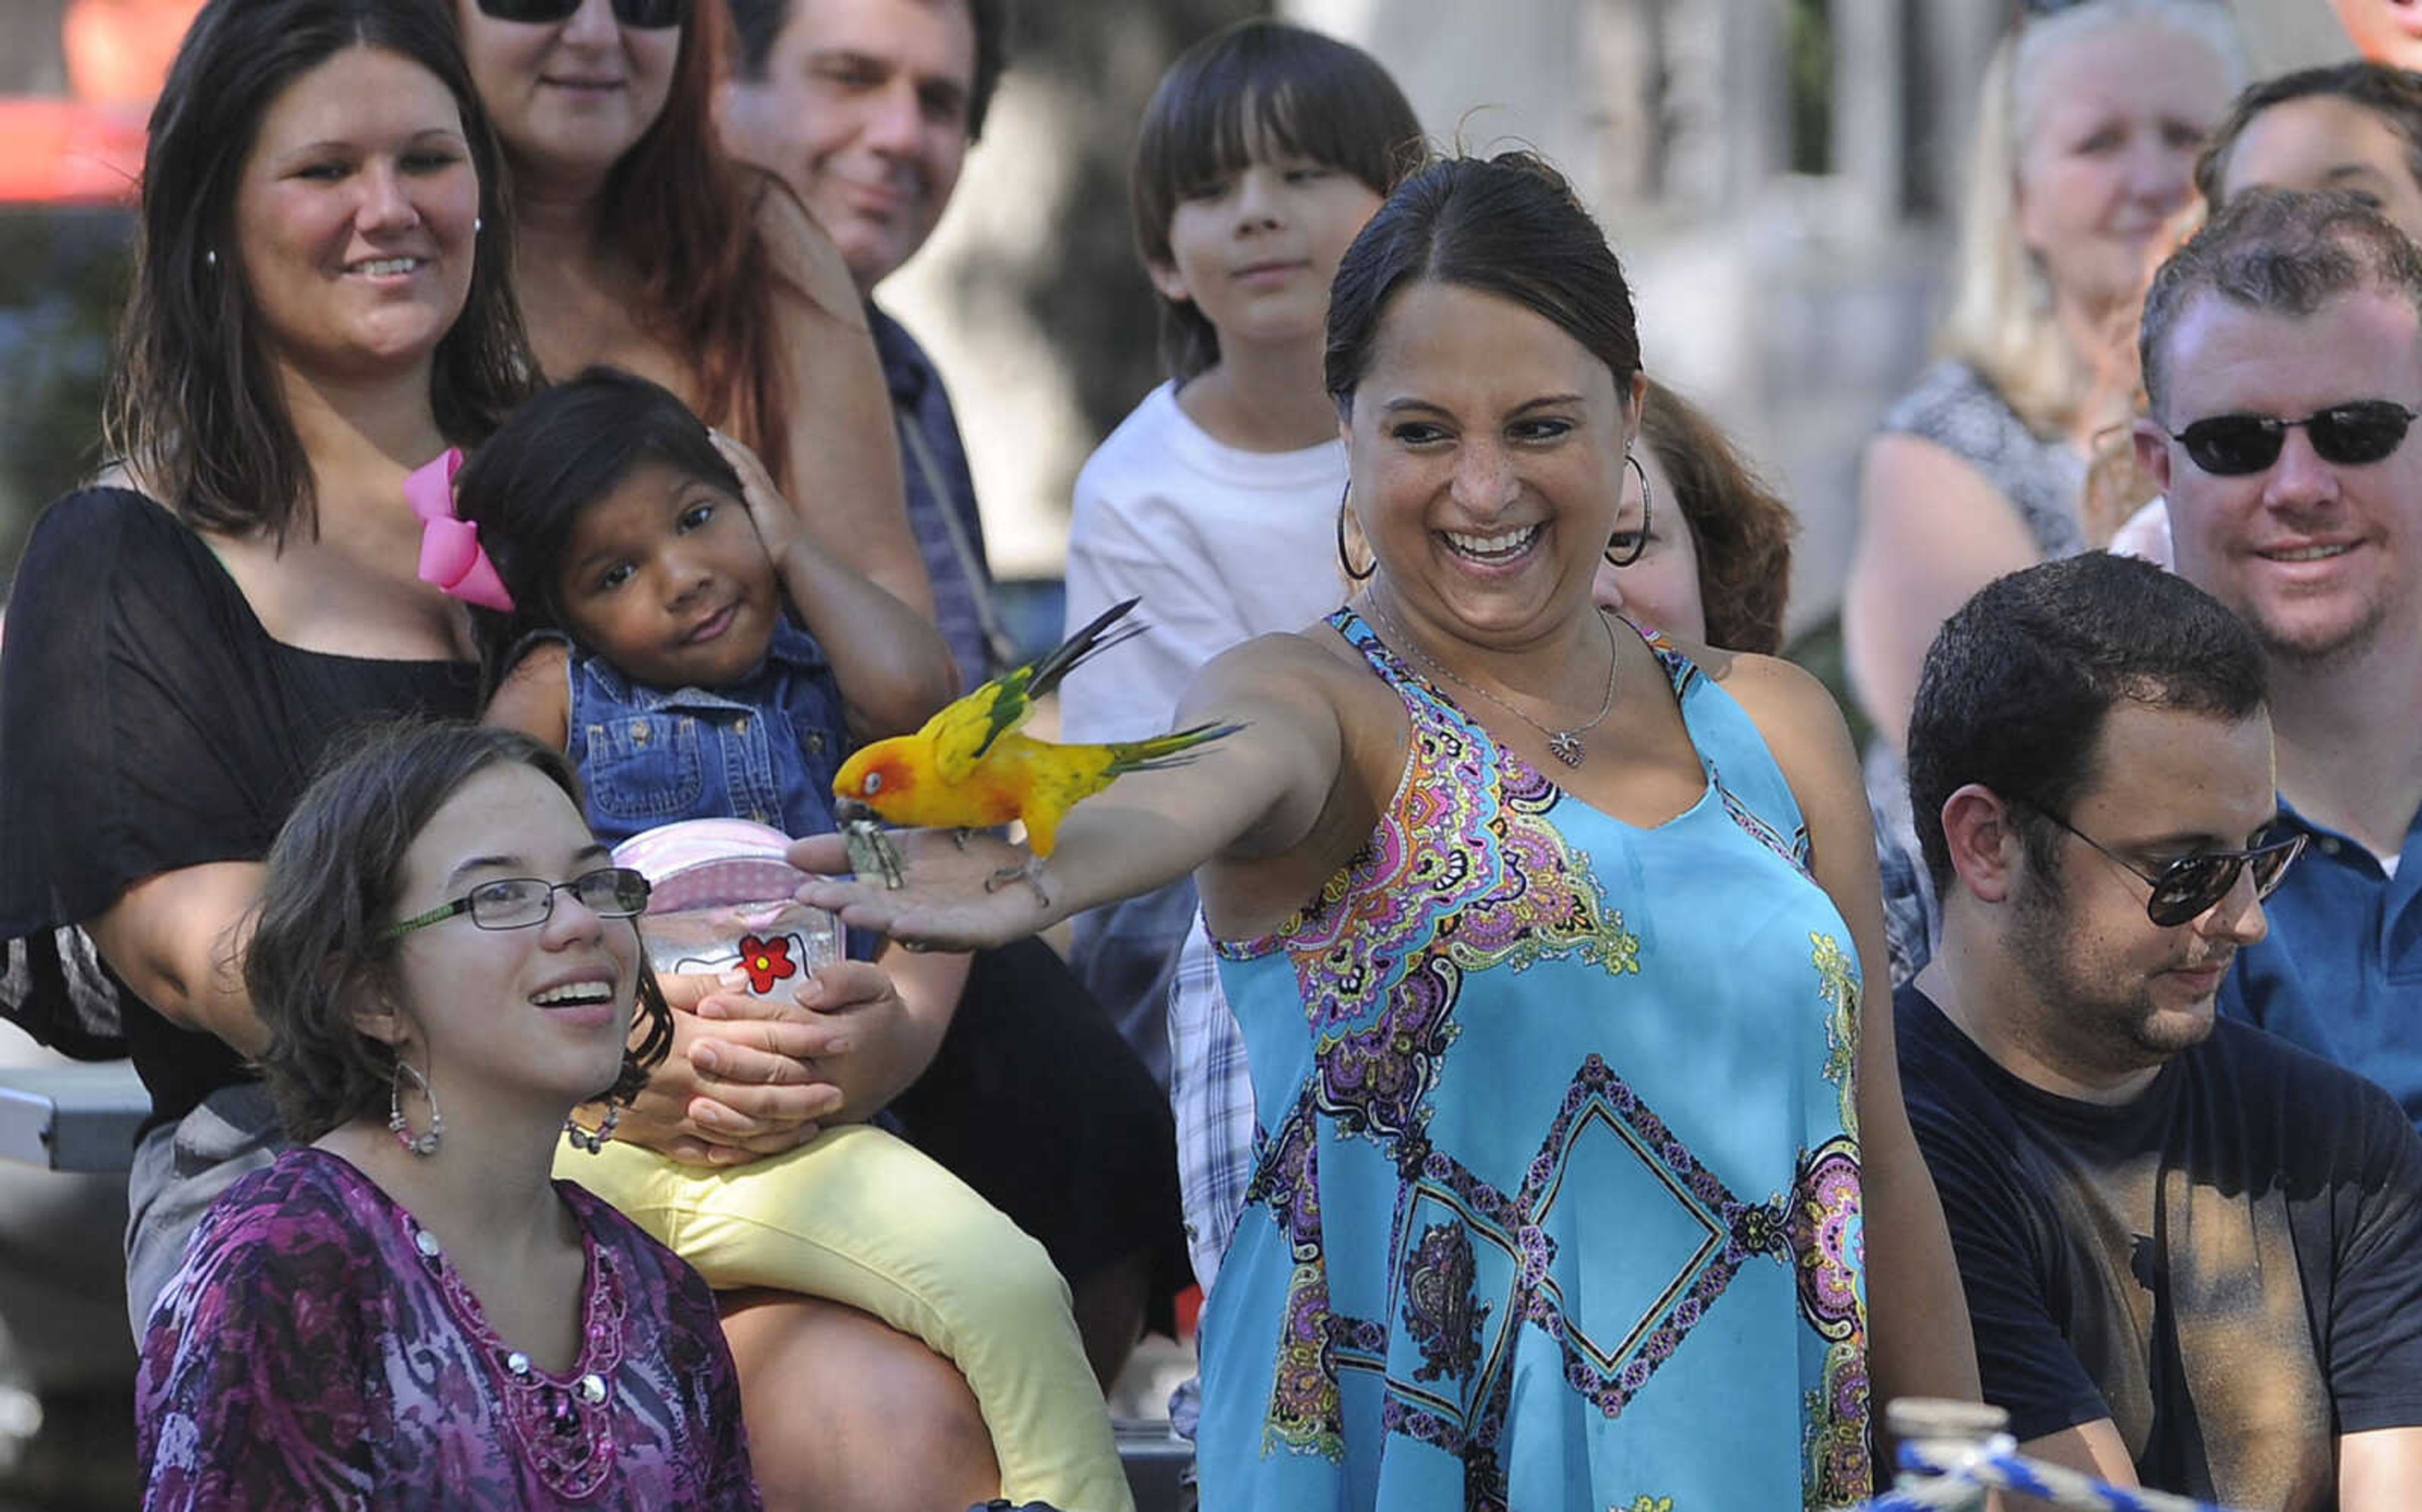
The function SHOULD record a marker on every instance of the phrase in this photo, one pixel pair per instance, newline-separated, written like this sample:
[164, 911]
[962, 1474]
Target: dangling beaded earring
[1344, 564]
[592, 1141]
[1631, 459]
[423, 1145]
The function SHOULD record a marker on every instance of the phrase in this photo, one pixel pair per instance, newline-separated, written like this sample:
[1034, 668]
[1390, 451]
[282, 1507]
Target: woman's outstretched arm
[1256, 793]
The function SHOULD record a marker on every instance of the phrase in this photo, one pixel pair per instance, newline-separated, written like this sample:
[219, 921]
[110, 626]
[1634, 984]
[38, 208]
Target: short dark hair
[1741, 528]
[1258, 84]
[2393, 94]
[2282, 250]
[757, 26]
[1507, 226]
[195, 407]
[563, 451]
[319, 932]
[2021, 677]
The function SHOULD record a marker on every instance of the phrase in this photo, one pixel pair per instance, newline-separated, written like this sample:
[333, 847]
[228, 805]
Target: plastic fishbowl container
[722, 899]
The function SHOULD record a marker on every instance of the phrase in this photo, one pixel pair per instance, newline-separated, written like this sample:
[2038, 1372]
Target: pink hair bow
[450, 553]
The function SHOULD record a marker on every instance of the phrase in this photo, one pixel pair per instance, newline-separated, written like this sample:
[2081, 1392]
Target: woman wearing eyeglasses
[404, 1310]
[2091, 118]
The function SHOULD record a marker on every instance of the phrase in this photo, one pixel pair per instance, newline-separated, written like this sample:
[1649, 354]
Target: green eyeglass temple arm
[439, 915]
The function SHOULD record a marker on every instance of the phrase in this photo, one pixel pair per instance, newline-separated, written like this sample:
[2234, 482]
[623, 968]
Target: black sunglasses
[648, 15]
[2348, 434]
[2186, 887]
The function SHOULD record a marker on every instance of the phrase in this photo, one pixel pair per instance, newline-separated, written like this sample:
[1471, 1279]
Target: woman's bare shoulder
[1313, 658]
[1772, 690]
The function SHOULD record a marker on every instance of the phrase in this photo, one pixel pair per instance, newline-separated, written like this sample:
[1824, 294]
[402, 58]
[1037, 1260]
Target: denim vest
[765, 749]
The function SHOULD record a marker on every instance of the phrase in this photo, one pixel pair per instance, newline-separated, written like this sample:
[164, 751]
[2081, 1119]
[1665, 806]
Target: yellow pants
[860, 1217]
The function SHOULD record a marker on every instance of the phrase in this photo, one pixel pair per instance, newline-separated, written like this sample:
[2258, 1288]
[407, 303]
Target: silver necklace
[1564, 744]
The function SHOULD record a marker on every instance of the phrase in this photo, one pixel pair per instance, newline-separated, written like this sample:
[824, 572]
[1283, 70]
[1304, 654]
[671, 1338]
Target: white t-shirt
[1220, 544]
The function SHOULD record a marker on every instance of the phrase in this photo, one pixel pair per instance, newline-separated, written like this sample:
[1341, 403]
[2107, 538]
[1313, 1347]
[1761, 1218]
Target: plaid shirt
[1213, 1099]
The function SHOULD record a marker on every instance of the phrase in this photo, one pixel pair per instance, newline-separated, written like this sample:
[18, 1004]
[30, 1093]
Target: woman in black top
[320, 305]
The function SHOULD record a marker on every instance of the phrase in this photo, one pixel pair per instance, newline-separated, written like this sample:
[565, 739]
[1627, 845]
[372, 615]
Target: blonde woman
[2091, 121]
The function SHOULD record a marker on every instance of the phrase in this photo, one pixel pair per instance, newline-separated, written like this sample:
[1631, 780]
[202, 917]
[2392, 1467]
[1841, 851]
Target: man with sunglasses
[2193, 1253]
[2283, 365]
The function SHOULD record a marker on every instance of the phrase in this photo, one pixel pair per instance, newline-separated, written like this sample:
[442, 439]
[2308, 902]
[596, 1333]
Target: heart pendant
[1566, 747]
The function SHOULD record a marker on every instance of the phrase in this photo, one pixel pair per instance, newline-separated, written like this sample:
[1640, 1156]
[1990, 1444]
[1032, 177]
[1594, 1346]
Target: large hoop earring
[1344, 564]
[1647, 501]
[422, 1145]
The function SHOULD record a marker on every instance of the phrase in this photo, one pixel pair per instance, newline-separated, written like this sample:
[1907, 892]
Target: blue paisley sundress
[1556, 1195]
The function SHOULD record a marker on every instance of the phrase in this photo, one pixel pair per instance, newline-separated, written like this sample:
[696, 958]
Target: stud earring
[478, 224]
[423, 1145]
[210, 258]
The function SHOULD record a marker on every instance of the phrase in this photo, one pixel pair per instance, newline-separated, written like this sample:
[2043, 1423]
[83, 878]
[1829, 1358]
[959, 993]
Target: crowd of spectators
[1574, 1080]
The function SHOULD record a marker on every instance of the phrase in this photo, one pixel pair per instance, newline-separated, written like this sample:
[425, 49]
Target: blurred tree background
[62, 277]
[1096, 305]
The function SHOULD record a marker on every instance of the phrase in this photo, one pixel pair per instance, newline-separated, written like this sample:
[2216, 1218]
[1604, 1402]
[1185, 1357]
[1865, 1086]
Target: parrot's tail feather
[1097, 636]
[1162, 752]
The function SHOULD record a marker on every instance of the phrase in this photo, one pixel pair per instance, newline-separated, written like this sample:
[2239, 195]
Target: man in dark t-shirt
[2193, 1253]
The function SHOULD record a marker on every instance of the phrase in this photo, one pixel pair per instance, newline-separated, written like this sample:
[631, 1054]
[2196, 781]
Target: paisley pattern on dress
[1837, 978]
[1404, 1261]
[1828, 1246]
[1440, 1313]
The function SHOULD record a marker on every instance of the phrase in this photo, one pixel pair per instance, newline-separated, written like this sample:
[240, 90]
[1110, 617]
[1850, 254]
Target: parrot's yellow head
[879, 777]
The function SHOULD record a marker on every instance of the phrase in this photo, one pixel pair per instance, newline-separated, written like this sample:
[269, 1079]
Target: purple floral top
[317, 1349]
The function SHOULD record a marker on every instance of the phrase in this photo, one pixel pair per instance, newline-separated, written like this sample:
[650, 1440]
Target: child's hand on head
[777, 523]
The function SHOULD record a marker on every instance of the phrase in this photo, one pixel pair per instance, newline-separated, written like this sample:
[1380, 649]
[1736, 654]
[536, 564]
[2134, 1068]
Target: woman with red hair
[641, 245]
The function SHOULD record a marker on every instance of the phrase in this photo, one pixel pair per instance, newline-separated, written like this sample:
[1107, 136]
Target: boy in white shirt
[1264, 151]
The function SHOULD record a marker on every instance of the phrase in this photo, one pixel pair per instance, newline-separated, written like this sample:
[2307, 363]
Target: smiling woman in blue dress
[1546, 938]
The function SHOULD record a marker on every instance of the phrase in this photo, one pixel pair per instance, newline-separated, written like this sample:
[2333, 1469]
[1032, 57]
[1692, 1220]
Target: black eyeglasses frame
[623, 878]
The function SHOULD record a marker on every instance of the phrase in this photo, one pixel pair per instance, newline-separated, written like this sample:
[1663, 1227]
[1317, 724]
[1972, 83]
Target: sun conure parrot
[969, 768]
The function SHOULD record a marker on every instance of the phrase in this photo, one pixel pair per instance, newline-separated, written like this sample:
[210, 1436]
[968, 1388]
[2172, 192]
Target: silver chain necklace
[1564, 744]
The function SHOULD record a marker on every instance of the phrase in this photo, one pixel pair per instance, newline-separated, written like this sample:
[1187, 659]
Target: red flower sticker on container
[766, 961]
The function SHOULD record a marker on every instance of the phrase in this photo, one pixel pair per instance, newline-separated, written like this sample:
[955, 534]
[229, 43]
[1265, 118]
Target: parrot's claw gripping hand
[872, 854]
[1006, 876]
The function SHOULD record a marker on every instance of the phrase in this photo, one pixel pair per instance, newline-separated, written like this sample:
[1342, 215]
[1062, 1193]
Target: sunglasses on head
[648, 15]
[2185, 888]
[2348, 434]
